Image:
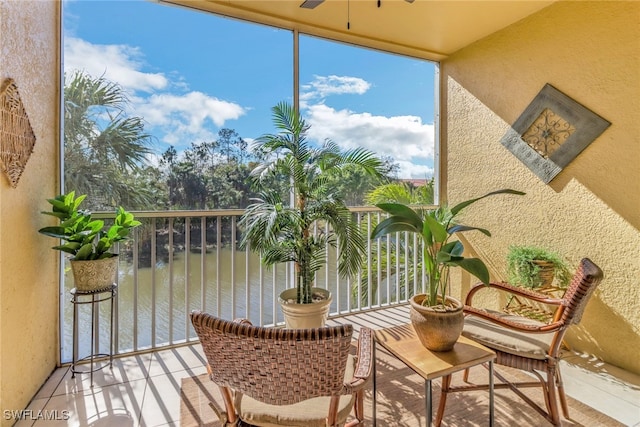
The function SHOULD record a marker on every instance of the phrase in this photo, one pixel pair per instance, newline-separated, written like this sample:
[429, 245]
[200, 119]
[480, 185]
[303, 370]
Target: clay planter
[546, 272]
[93, 275]
[437, 328]
[301, 316]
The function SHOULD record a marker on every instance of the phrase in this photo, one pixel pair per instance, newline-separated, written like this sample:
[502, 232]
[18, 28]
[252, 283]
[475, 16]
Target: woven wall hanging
[16, 135]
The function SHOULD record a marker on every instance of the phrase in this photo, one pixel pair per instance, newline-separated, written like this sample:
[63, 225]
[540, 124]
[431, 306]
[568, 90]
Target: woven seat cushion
[309, 413]
[534, 346]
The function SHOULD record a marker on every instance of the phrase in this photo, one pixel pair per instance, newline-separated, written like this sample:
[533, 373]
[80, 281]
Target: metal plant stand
[94, 298]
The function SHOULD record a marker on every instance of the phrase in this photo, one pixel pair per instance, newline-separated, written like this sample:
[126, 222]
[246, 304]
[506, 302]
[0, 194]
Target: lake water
[160, 294]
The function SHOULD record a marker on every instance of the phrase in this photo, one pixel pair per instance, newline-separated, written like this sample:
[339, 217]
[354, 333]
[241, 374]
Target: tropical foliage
[85, 238]
[524, 270]
[436, 227]
[280, 229]
[104, 148]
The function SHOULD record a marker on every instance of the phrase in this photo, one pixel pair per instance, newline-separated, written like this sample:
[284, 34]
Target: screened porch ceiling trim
[428, 29]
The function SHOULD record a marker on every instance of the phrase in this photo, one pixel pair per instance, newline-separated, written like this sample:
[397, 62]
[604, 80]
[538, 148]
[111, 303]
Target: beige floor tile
[177, 359]
[30, 414]
[114, 405]
[49, 387]
[162, 398]
[124, 369]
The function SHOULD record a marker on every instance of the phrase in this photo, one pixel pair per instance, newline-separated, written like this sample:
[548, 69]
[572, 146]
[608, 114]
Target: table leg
[491, 393]
[427, 393]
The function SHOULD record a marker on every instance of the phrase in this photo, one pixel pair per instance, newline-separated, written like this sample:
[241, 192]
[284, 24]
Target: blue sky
[190, 73]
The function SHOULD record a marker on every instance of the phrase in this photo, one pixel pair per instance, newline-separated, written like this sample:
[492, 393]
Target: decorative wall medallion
[551, 132]
[16, 135]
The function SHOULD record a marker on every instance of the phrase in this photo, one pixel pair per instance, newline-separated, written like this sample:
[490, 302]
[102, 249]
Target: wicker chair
[287, 377]
[526, 344]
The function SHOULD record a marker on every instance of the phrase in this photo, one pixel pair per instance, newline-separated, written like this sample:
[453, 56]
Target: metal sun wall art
[16, 135]
[551, 132]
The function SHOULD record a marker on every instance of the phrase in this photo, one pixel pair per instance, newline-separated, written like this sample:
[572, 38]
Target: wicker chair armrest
[516, 290]
[243, 321]
[523, 327]
[364, 362]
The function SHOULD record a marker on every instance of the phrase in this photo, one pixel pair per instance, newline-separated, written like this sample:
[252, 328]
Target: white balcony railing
[178, 261]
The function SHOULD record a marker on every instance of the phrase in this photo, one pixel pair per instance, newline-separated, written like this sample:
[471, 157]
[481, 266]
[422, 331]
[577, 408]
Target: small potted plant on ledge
[437, 317]
[94, 266]
[282, 232]
[538, 269]
[534, 267]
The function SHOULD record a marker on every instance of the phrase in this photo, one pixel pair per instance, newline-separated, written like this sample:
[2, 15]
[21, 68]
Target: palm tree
[402, 192]
[282, 231]
[103, 148]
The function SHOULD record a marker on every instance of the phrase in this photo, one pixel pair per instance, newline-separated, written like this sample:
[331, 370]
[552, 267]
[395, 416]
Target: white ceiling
[431, 29]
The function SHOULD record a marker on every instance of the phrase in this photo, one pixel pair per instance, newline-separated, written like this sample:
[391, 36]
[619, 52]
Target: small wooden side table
[94, 298]
[403, 343]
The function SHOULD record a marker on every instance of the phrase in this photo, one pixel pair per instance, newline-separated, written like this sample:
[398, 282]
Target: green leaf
[392, 225]
[461, 228]
[475, 267]
[400, 210]
[84, 252]
[438, 230]
[457, 208]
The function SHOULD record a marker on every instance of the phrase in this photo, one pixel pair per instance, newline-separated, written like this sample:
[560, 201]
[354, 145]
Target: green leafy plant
[525, 265]
[281, 231]
[85, 238]
[435, 228]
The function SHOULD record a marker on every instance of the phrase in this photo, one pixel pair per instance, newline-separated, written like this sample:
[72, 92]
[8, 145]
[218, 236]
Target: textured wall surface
[28, 269]
[591, 52]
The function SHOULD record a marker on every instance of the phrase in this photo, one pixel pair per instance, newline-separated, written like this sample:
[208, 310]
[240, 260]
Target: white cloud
[322, 86]
[117, 63]
[187, 117]
[405, 138]
[182, 118]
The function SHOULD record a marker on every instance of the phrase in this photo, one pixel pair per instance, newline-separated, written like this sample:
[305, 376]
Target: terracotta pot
[437, 328]
[546, 272]
[301, 316]
[92, 275]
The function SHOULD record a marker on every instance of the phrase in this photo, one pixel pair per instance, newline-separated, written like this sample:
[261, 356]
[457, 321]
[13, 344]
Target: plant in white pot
[86, 239]
[282, 231]
[436, 316]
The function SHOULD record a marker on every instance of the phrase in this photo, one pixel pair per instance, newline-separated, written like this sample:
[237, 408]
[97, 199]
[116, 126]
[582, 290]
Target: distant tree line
[109, 156]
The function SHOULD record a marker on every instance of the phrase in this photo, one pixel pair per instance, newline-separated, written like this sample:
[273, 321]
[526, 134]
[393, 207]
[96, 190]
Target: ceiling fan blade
[311, 4]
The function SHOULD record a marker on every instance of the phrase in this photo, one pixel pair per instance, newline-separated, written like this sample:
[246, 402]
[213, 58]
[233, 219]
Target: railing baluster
[233, 267]
[153, 261]
[218, 273]
[156, 305]
[135, 289]
[187, 273]
[203, 264]
[171, 247]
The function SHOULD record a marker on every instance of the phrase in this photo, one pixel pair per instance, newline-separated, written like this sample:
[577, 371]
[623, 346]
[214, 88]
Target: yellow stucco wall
[28, 267]
[591, 52]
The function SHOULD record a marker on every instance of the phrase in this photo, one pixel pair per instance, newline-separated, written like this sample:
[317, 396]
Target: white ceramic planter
[301, 316]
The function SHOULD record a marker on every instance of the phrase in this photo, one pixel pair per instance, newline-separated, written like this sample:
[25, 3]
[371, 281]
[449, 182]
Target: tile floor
[144, 390]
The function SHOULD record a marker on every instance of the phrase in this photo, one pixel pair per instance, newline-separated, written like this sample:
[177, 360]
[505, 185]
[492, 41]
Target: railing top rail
[214, 212]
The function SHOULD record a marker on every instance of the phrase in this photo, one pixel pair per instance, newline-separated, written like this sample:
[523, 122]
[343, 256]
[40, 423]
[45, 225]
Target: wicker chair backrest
[274, 365]
[586, 279]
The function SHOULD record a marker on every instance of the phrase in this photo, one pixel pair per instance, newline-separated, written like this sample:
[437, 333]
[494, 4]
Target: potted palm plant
[282, 231]
[436, 316]
[86, 239]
